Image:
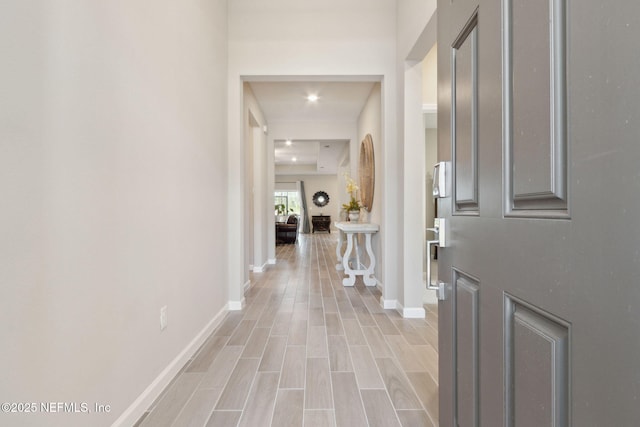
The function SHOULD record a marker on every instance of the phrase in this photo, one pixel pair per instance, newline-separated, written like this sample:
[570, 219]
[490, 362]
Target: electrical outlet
[163, 318]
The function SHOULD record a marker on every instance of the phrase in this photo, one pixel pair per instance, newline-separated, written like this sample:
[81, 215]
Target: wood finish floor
[307, 351]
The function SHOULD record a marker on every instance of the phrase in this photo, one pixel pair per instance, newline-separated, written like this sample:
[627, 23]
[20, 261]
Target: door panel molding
[464, 118]
[537, 366]
[535, 109]
[466, 293]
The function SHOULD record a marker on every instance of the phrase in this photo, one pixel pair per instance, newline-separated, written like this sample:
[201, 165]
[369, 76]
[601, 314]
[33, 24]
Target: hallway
[308, 352]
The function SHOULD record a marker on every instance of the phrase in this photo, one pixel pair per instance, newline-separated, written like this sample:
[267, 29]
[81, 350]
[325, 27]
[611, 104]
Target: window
[290, 200]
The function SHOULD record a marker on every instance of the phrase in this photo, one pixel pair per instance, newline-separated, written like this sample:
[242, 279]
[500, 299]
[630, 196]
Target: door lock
[441, 230]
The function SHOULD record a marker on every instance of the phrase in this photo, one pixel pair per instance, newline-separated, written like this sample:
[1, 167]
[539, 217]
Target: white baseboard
[392, 304]
[388, 304]
[429, 108]
[133, 413]
[236, 305]
[272, 261]
[412, 313]
[246, 286]
[260, 269]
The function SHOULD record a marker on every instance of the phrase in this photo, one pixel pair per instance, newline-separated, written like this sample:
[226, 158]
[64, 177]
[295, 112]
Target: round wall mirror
[367, 172]
[320, 199]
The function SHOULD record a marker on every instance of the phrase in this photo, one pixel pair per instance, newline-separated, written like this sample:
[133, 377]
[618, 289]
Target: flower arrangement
[353, 205]
[352, 189]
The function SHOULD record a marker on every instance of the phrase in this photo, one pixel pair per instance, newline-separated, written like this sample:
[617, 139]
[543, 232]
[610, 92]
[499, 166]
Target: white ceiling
[287, 102]
[322, 157]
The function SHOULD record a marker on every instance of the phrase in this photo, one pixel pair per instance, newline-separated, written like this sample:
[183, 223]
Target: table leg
[351, 280]
[369, 278]
[339, 266]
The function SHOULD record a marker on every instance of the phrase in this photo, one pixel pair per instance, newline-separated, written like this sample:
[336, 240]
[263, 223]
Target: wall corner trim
[139, 406]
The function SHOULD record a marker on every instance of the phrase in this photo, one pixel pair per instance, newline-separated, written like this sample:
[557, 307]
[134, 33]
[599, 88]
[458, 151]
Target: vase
[354, 215]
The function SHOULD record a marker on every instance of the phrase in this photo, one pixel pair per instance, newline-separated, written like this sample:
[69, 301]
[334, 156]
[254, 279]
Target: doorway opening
[430, 124]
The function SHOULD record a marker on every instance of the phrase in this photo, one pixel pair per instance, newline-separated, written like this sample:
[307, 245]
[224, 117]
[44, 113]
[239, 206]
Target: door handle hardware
[439, 286]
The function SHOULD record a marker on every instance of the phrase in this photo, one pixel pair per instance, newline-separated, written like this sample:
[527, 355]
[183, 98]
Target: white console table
[352, 263]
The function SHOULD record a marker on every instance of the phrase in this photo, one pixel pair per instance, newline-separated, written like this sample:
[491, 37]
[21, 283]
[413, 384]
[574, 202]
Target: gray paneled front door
[539, 115]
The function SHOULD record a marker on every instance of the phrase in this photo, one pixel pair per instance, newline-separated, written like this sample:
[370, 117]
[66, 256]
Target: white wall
[112, 172]
[330, 38]
[430, 77]
[416, 23]
[431, 157]
[413, 16]
[370, 122]
[248, 213]
[430, 120]
[258, 201]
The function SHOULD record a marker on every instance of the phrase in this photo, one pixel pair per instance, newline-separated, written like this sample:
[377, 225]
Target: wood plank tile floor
[306, 351]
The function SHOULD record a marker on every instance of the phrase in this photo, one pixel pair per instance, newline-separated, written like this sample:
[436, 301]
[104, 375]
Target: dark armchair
[287, 232]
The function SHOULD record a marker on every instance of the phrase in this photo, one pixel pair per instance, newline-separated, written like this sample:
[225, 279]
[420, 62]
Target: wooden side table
[321, 223]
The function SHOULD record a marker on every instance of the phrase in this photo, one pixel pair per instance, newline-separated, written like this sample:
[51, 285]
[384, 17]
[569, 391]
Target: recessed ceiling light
[294, 159]
[312, 98]
[288, 142]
